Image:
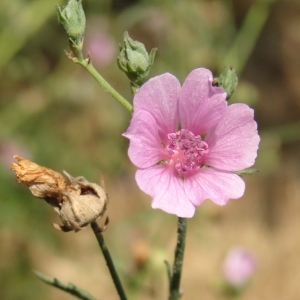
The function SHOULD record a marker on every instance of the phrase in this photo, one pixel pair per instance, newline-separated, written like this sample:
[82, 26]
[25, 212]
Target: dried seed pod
[85, 202]
[77, 201]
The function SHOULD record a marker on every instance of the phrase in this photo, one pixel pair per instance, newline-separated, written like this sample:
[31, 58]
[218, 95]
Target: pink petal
[233, 142]
[145, 148]
[159, 96]
[215, 185]
[166, 189]
[201, 105]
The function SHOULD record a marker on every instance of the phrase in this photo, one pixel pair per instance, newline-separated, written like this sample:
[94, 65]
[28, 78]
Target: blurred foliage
[53, 112]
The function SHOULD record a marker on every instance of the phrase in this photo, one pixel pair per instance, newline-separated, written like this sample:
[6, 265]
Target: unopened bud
[135, 61]
[227, 80]
[72, 19]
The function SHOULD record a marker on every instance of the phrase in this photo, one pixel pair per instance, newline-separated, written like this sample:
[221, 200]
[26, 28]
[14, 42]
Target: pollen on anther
[185, 151]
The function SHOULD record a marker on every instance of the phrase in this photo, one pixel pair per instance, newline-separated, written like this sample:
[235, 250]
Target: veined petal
[215, 185]
[166, 189]
[159, 96]
[233, 142]
[201, 105]
[145, 148]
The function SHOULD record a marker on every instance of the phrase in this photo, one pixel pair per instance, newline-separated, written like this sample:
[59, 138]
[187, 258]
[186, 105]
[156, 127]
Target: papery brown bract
[77, 201]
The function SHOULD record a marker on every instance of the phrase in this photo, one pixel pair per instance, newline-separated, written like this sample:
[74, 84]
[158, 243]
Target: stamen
[185, 151]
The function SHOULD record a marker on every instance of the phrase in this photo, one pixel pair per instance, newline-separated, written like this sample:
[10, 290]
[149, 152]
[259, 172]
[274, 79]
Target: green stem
[248, 35]
[174, 292]
[109, 262]
[69, 288]
[87, 64]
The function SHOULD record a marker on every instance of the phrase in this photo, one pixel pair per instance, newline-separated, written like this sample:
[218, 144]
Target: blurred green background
[54, 113]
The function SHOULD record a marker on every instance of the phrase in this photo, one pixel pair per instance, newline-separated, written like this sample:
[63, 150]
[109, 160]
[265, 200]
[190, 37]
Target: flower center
[185, 151]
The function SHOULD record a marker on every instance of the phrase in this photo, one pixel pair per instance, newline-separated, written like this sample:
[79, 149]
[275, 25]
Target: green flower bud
[72, 19]
[227, 80]
[135, 61]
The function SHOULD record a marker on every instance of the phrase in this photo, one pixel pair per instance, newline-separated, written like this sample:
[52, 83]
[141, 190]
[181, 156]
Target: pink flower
[187, 142]
[101, 48]
[98, 42]
[238, 267]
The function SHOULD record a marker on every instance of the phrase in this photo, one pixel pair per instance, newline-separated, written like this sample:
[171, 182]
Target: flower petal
[215, 185]
[233, 142]
[145, 148]
[166, 189]
[159, 96]
[201, 105]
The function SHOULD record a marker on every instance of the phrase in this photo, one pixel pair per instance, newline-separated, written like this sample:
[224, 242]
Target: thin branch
[109, 262]
[69, 288]
[87, 64]
[248, 35]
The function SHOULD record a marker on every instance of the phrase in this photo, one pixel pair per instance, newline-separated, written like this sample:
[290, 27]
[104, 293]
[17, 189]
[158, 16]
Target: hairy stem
[174, 292]
[114, 275]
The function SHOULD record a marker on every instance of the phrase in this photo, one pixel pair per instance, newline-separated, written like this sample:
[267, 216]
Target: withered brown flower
[77, 201]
